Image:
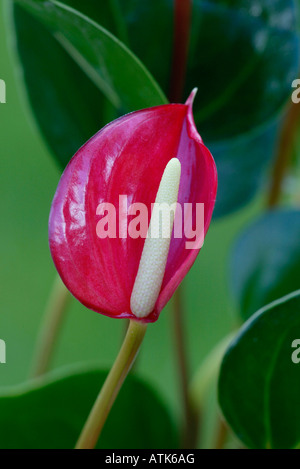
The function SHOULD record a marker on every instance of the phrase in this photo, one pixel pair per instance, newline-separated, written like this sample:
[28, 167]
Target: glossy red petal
[127, 157]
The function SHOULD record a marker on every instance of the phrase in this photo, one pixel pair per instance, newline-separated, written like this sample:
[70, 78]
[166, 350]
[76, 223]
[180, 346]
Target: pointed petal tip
[190, 100]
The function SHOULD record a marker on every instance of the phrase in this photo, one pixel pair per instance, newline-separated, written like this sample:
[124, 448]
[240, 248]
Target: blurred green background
[28, 181]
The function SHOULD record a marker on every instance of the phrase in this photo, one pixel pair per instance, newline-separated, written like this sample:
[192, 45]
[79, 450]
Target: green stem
[203, 381]
[221, 434]
[48, 335]
[190, 423]
[207, 372]
[125, 359]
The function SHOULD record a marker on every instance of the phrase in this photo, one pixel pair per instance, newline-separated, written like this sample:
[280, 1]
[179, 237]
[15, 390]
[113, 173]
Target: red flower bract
[127, 157]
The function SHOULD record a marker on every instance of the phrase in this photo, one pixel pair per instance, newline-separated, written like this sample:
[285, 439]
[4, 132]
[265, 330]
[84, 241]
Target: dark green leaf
[64, 93]
[245, 78]
[243, 58]
[51, 415]
[66, 100]
[259, 384]
[68, 107]
[150, 34]
[107, 14]
[241, 162]
[266, 260]
[116, 71]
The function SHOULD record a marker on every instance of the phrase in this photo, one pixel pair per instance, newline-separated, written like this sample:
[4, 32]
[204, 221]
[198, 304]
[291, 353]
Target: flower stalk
[125, 359]
[47, 339]
[190, 416]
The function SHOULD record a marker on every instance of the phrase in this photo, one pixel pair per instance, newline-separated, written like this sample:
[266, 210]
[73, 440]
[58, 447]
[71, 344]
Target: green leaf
[241, 164]
[243, 57]
[259, 384]
[68, 107]
[266, 260]
[109, 64]
[150, 35]
[248, 74]
[51, 414]
[107, 14]
[86, 79]
[244, 76]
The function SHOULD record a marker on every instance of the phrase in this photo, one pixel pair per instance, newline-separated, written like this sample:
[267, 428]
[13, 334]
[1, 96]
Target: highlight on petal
[109, 179]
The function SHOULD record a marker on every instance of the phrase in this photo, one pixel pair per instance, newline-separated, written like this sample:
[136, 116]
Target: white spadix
[153, 261]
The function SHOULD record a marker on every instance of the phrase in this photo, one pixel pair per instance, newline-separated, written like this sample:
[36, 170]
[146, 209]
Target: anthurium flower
[100, 242]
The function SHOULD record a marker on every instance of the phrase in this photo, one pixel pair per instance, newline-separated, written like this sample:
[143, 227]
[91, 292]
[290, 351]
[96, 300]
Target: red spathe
[127, 157]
